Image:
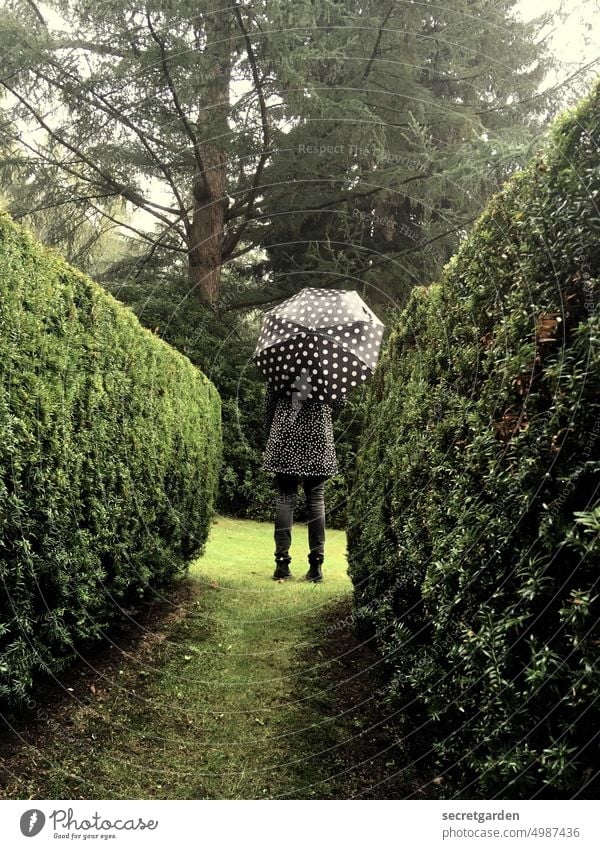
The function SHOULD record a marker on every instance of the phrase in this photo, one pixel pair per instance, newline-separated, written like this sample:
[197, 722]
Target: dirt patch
[57, 707]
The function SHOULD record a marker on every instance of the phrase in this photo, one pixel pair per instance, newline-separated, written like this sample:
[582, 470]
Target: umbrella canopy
[319, 344]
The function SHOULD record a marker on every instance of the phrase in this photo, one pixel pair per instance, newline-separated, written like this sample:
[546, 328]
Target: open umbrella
[320, 343]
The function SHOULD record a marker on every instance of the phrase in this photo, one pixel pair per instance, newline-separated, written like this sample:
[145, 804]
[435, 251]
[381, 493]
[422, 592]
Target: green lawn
[239, 700]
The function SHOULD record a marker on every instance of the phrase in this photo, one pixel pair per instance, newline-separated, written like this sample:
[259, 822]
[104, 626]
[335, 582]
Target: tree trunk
[210, 200]
[206, 230]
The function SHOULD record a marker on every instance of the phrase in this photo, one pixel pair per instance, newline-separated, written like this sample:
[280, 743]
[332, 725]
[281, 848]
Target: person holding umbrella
[313, 349]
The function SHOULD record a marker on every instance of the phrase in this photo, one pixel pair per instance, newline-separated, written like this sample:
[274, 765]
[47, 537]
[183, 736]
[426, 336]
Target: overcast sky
[577, 39]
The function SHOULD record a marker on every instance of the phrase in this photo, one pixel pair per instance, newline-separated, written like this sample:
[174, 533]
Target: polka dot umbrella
[319, 344]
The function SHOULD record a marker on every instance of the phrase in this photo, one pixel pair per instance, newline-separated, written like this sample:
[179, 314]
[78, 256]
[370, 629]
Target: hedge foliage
[474, 506]
[110, 450]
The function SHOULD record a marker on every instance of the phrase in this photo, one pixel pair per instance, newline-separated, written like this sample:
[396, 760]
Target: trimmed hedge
[110, 449]
[474, 507]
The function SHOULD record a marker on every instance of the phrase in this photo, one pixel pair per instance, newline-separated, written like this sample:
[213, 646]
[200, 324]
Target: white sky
[577, 39]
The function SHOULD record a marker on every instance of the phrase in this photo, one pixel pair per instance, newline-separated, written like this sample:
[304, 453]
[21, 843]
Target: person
[300, 447]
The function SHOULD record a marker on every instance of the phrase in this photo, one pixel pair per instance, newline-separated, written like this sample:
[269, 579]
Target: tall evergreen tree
[423, 113]
[210, 120]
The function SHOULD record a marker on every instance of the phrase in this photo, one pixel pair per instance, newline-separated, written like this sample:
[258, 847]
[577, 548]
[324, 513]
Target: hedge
[474, 509]
[110, 450]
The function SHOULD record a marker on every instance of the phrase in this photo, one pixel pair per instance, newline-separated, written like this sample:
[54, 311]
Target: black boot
[314, 573]
[282, 568]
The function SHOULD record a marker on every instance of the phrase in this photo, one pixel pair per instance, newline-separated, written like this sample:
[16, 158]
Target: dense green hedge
[474, 507]
[110, 449]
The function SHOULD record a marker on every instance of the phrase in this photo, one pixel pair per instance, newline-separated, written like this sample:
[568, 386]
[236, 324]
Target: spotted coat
[300, 435]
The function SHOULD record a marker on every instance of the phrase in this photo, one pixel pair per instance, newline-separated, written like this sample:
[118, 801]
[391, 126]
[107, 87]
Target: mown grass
[238, 700]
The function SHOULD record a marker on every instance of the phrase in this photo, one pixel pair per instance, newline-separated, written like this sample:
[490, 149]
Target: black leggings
[287, 490]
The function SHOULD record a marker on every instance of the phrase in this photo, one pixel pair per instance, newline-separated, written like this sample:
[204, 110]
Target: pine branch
[422, 245]
[144, 260]
[240, 305]
[541, 93]
[55, 204]
[178, 108]
[147, 238]
[120, 188]
[377, 44]
[105, 106]
[37, 12]
[93, 47]
[241, 252]
[144, 236]
[248, 204]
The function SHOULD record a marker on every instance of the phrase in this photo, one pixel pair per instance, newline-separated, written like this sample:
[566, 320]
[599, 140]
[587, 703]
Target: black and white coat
[300, 436]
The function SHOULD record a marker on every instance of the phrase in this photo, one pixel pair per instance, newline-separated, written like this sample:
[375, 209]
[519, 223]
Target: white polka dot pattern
[330, 339]
[300, 438]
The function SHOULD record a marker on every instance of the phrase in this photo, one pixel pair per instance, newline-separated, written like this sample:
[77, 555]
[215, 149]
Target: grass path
[242, 696]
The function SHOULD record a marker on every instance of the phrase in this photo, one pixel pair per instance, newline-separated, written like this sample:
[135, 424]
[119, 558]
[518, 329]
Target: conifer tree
[346, 139]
